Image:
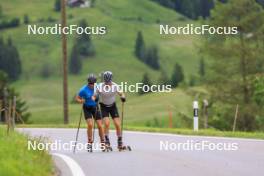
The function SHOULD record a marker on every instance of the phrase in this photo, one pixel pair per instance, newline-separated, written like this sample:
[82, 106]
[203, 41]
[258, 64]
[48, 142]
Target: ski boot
[122, 147]
[107, 144]
[90, 147]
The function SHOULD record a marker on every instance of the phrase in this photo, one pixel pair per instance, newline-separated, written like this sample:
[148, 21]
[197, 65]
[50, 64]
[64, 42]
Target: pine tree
[57, 5]
[21, 106]
[140, 46]
[1, 11]
[152, 58]
[75, 64]
[261, 2]
[14, 63]
[26, 19]
[146, 83]
[93, 3]
[163, 79]
[10, 60]
[177, 76]
[85, 45]
[201, 68]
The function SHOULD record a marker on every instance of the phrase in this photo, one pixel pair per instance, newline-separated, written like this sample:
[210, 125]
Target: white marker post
[195, 116]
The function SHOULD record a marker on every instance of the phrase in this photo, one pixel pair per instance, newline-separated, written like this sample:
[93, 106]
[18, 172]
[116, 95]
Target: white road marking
[160, 134]
[193, 136]
[74, 167]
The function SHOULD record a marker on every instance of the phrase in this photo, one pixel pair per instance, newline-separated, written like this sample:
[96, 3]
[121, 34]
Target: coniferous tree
[57, 5]
[10, 60]
[26, 19]
[21, 107]
[146, 84]
[140, 46]
[163, 79]
[85, 45]
[152, 58]
[14, 63]
[1, 11]
[201, 68]
[177, 75]
[75, 65]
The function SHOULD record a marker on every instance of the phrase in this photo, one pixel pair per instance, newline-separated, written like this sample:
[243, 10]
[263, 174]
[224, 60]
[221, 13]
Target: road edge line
[76, 170]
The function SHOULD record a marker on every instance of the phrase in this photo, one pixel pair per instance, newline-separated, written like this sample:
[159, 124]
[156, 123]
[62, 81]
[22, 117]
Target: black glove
[123, 99]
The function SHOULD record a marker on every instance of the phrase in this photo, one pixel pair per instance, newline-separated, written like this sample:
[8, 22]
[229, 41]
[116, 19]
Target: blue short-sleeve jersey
[86, 93]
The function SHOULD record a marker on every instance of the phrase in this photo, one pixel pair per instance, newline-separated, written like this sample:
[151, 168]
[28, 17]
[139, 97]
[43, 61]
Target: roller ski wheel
[90, 147]
[124, 148]
[107, 148]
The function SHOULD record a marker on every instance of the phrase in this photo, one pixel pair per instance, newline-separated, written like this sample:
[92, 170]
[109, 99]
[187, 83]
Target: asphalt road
[147, 158]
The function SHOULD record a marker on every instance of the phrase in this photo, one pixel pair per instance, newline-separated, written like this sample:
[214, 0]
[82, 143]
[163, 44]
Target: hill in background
[123, 19]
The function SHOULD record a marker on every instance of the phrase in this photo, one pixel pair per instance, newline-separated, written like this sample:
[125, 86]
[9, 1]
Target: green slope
[123, 19]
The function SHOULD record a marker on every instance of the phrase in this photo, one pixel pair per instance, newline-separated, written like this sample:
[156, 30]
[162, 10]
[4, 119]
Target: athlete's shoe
[90, 147]
[107, 141]
[119, 143]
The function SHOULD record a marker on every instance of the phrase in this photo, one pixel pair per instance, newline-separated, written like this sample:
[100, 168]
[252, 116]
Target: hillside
[114, 51]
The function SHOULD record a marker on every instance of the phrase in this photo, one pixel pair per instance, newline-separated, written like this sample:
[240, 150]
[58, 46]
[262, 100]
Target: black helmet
[108, 76]
[91, 78]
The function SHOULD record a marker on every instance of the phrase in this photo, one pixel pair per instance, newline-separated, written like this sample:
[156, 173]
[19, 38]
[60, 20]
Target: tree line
[193, 8]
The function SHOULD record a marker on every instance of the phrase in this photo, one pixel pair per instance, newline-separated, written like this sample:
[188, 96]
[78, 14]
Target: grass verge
[181, 131]
[17, 160]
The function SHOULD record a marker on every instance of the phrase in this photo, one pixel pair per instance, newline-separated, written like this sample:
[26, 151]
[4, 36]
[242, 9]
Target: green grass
[17, 160]
[138, 109]
[201, 132]
[180, 131]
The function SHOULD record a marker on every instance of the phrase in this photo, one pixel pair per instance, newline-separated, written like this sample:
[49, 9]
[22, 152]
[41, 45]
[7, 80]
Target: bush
[51, 20]
[46, 71]
[10, 24]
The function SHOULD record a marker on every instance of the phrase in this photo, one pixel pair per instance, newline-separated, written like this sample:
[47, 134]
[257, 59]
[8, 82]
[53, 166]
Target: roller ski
[90, 147]
[122, 147]
[106, 147]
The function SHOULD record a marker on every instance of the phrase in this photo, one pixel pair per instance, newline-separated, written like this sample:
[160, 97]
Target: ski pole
[77, 134]
[96, 109]
[122, 118]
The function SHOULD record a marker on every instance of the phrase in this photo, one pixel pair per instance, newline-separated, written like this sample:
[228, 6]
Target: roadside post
[195, 116]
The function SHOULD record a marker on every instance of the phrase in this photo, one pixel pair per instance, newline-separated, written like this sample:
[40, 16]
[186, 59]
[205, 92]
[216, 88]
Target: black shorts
[91, 112]
[109, 109]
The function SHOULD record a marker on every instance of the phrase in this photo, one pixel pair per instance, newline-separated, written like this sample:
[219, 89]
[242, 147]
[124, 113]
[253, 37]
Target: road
[147, 158]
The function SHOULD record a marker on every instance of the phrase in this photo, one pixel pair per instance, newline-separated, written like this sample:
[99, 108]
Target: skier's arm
[95, 96]
[79, 99]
